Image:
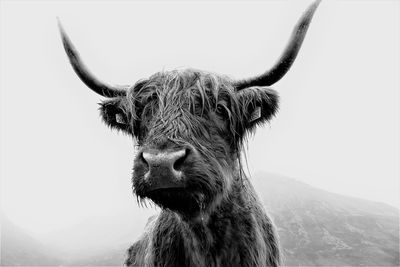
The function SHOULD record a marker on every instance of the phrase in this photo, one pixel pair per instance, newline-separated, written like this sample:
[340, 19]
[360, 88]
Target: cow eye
[222, 110]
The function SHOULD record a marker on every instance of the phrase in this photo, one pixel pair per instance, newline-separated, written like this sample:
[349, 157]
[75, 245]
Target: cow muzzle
[172, 176]
[164, 168]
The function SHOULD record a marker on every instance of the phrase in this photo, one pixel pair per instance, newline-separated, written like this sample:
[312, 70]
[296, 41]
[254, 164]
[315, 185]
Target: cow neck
[221, 234]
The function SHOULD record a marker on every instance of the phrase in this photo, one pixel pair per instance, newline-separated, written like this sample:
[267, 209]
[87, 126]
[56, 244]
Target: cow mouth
[178, 199]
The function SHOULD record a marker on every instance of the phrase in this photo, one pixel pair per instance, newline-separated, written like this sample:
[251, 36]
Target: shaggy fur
[215, 219]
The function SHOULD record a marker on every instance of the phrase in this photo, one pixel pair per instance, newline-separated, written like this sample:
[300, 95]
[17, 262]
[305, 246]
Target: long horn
[288, 56]
[83, 72]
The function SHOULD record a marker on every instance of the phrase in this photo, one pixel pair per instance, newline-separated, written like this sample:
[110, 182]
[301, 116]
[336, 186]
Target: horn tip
[60, 26]
[314, 5]
[68, 45]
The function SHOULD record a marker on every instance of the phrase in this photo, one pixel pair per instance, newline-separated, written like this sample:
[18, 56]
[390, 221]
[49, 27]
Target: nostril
[178, 164]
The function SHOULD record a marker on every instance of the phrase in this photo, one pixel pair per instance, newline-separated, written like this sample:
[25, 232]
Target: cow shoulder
[139, 254]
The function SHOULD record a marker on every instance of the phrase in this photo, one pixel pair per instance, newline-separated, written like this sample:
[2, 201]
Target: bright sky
[337, 129]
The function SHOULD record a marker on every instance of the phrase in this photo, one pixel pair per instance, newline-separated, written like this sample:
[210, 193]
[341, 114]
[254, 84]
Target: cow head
[189, 126]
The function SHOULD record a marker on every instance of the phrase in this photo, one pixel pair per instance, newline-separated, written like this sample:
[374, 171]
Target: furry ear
[114, 114]
[258, 105]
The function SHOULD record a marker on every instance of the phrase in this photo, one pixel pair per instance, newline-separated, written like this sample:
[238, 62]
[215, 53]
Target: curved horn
[288, 56]
[83, 72]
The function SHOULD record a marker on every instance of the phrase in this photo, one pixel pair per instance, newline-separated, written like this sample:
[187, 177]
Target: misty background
[65, 177]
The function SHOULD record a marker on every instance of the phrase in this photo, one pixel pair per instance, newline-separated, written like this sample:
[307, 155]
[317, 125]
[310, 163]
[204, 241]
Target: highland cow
[190, 127]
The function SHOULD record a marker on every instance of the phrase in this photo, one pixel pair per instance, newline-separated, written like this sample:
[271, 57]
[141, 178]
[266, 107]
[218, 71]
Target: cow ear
[258, 105]
[115, 115]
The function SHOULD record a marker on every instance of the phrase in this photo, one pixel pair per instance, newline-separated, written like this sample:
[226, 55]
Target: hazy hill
[20, 249]
[316, 228]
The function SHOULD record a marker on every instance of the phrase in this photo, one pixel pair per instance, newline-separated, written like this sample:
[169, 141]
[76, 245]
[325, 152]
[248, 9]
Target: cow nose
[165, 167]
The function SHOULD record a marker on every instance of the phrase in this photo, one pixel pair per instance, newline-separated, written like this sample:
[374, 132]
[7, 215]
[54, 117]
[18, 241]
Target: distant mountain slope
[319, 228]
[20, 249]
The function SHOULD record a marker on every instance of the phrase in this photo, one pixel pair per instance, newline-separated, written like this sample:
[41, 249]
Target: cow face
[189, 126]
